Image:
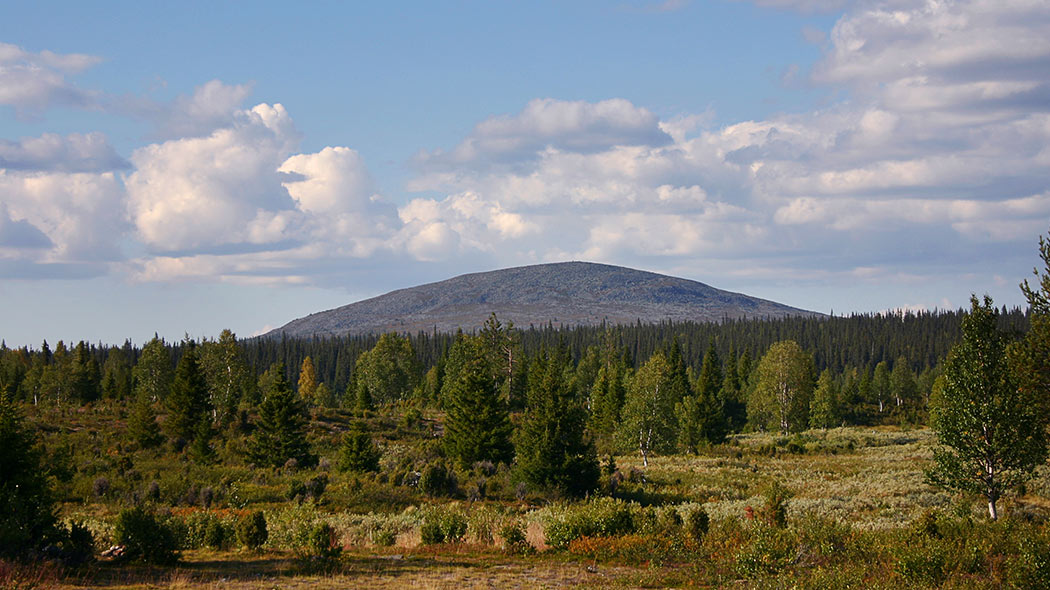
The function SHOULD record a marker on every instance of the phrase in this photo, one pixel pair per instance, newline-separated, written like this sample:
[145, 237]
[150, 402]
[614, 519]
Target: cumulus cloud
[193, 194]
[75, 152]
[60, 218]
[548, 123]
[31, 82]
[941, 149]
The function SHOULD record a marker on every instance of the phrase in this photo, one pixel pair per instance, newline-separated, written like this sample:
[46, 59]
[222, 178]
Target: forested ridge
[858, 340]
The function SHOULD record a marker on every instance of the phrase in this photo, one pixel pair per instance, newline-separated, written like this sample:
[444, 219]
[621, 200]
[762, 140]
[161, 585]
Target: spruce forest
[878, 450]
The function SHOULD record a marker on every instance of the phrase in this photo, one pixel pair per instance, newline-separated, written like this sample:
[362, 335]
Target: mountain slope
[565, 293]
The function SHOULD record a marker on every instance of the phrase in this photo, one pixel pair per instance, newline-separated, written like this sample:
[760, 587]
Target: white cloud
[193, 194]
[51, 152]
[549, 123]
[79, 214]
[31, 82]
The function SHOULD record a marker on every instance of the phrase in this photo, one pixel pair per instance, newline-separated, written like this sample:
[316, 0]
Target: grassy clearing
[859, 514]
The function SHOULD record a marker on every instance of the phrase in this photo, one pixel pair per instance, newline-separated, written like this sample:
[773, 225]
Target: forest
[868, 450]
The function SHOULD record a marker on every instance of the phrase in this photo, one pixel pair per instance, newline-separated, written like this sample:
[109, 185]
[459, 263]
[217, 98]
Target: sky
[181, 168]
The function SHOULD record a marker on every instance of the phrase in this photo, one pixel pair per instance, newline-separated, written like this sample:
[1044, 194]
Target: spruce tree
[85, 377]
[188, 402]
[358, 453]
[280, 431]
[477, 425]
[27, 506]
[142, 423]
[551, 450]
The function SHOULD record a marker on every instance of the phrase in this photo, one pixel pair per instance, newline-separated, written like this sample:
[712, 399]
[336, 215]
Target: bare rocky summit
[563, 294]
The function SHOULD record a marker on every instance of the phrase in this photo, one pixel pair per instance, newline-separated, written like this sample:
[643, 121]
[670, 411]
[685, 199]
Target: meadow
[837, 508]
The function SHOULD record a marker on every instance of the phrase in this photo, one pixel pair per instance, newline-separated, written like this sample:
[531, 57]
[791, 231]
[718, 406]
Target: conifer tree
[551, 450]
[27, 507]
[280, 432]
[188, 402]
[142, 423]
[477, 425]
[86, 377]
[200, 450]
[880, 385]
[607, 399]
[700, 416]
[358, 453]
[116, 375]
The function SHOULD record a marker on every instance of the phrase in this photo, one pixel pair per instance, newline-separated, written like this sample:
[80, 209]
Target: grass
[856, 495]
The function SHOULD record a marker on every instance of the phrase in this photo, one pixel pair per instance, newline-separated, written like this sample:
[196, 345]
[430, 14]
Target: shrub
[145, 537]
[922, 562]
[384, 537]
[768, 552]
[774, 509]
[251, 530]
[443, 526]
[431, 532]
[436, 480]
[100, 486]
[324, 543]
[217, 535]
[315, 487]
[514, 540]
[78, 544]
[601, 517]
[697, 523]
[1031, 567]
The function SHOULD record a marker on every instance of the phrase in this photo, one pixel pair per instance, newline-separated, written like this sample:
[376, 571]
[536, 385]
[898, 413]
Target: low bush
[251, 530]
[514, 539]
[145, 537]
[443, 526]
[596, 518]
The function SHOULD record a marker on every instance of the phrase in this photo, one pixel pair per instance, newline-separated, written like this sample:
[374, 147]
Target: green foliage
[388, 372]
[145, 537]
[824, 407]
[153, 372]
[227, 374]
[514, 539]
[993, 432]
[280, 433]
[552, 452]
[697, 523]
[324, 543]
[251, 530]
[188, 402]
[774, 507]
[437, 480]
[649, 423]
[443, 526]
[358, 453]
[599, 517]
[27, 513]
[142, 423]
[477, 425]
[783, 389]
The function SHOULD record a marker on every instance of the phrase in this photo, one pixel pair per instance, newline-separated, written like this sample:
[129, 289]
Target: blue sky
[187, 168]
